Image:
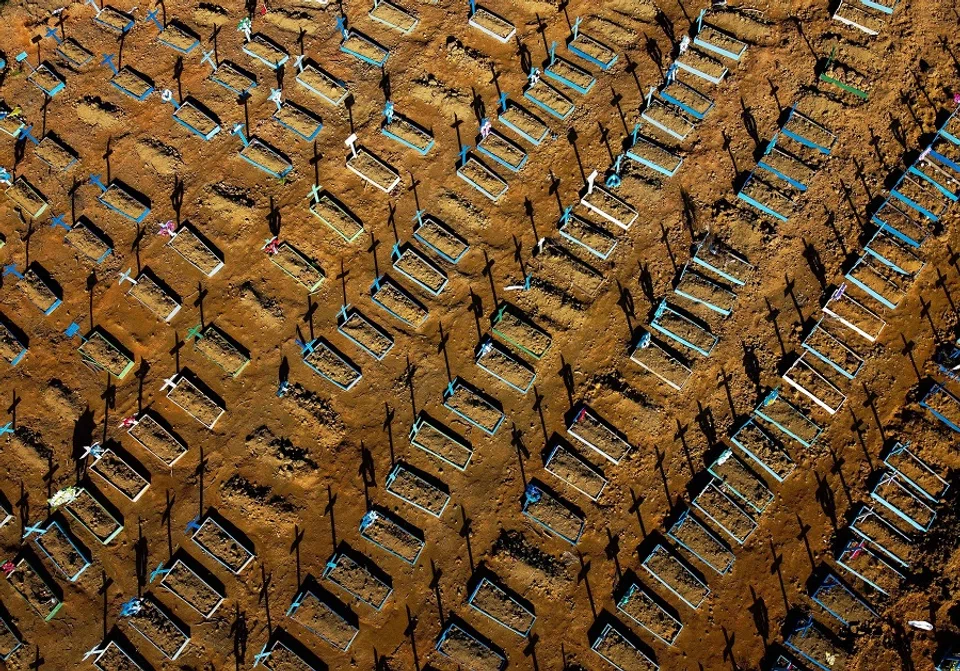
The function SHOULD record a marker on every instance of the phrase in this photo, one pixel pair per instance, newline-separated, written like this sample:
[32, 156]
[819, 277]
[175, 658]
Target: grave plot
[617, 649]
[765, 450]
[335, 216]
[568, 269]
[420, 490]
[921, 196]
[392, 535]
[697, 288]
[666, 366]
[668, 118]
[10, 123]
[298, 120]
[406, 132]
[719, 42]
[882, 535]
[222, 350]
[26, 197]
[811, 383]
[102, 353]
[568, 74]
[502, 606]
[594, 432]
[889, 249]
[440, 442]
[647, 152]
[154, 296]
[830, 350]
[47, 79]
[191, 116]
[782, 414]
[845, 77]
[513, 326]
[808, 132]
[319, 617]
[467, 650]
[502, 150]
[675, 576]
[55, 153]
[111, 657]
[736, 478]
[365, 334]
[549, 99]
[371, 169]
[763, 195]
[440, 238]
[901, 500]
[482, 178]
[574, 470]
[89, 241]
[35, 587]
[473, 406]
[698, 540]
[553, 514]
[523, 123]
[278, 655]
[11, 349]
[416, 267]
[499, 362]
[194, 401]
[603, 203]
[67, 556]
[330, 364]
[320, 82]
[854, 315]
[114, 20]
[178, 37]
[721, 260]
[117, 198]
[398, 302]
[942, 178]
[841, 602]
[687, 98]
[262, 48]
[944, 406]
[296, 264]
[724, 512]
[859, 18]
[815, 645]
[131, 82]
[640, 607]
[491, 24]
[73, 52]
[590, 49]
[93, 516]
[184, 583]
[233, 78]
[160, 630]
[364, 48]
[259, 154]
[878, 280]
[860, 560]
[702, 65]
[120, 475]
[916, 472]
[221, 545]
[155, 439]
[358, 580]
[394, 16]
[683, 330]
[787, 167]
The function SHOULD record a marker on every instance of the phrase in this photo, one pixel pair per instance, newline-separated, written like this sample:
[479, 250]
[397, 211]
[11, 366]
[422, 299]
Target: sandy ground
[295, 475]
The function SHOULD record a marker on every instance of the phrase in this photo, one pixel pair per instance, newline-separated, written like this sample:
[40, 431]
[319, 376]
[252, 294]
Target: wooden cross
[108, 61]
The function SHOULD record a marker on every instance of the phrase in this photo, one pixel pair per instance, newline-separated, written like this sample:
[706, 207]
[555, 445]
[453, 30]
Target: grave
[334, 215]
[187, 585]
[723, 511]
[697, 539]
[320, 82]
[466, 648]
[845, 77]
[764, 195]
[160, 629]
[665, 365]
[832, 351]
[128, 80]
[112, 657]
[393, 16]
[786, 166]
[944, 405]
[438, 441]
[259, 154]
[322, 618]
[597, 434]
[570, 75]
[937, 175]
[921, 196]
[118, 198]
[295, 264]
[88, 240]
[574, 470]
[503, 606]
[193, 400]
[812, 642]
[807, 132]
[11, 349]
[548, 98]
[53, 151]
[73, 52]
[232, 77]
[702, 65]
[153, 294]
[602, 202]
[647, 152]
[397, 301]
[361, 47]
[701, 290]
[357, 577]
[45, 78]
[473, 406]
[114, 20]
[175, 35]
[263, 49]
[804, 376]
[879, 280]
[782, 414]
[673, 574]
[119, 474]
[491, 24]
[370, 168]
[439, 238]
[718, 258]
[916, 472]
[590, 49]
[841, 602]
[614, 647]
[217, 542]
[221, 349]
[854, 315]
[522, 122]
[195, 250]
[401, 129]
[416, 267]
[327, 362]
[685, 96]
[859, 559]
[284, 654]
[896, 496]
[767, 452]
[27, 198]
[587, 235]
[552, 513]
[479, 176]
[69, 557]
[499, 362]
[393, 535]
[859, 18]
[420, 490]
[365, 334]
[667, 118]
[502, 150]
[34, 285]
[194, 117]
[299, 120]
[35, 587]
[736, 478]
[682, 329]
[93, 515]
[638, 605]
[156, 439]
[882, 535]
[513, 326]
[718, 41]
[11, 122]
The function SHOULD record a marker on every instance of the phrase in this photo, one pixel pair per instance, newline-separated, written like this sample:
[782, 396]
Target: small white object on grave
[921, 624]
